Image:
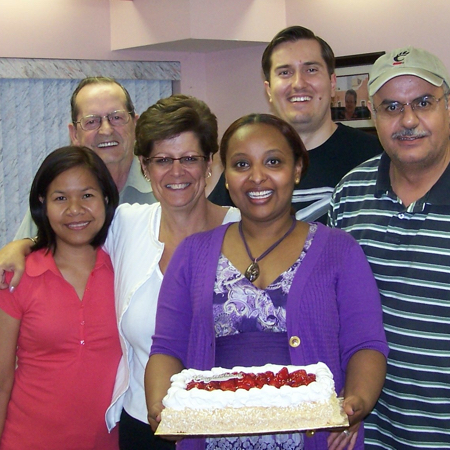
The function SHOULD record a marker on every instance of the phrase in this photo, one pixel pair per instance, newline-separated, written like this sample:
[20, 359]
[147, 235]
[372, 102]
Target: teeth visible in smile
[178, 186]
[78, 225]
[302, 98]
[260, 194]
[107, 144]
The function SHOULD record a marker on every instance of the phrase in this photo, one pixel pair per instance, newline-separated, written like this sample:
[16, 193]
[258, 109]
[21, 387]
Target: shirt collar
[383, 185]
[43, 261]
[136, 178]
[437, 195]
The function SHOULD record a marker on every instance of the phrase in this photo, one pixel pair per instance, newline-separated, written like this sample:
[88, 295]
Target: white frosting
[179, 398]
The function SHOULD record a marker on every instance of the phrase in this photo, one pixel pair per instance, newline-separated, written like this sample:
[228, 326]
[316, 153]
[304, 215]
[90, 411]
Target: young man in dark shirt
[300, 81]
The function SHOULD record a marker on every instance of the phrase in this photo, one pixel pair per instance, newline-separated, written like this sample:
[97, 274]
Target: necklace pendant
[252, 272]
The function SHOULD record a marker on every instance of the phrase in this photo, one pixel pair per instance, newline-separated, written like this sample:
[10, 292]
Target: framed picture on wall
[350, 103]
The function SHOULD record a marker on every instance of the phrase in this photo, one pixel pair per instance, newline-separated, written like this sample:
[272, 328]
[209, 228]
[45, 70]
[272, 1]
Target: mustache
[410, 132]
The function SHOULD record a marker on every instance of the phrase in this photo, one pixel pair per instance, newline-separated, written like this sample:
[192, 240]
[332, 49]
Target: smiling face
[300, 86]
[261, 172]
[177, 185]
[411, 139]
[113, 144]
[75, 207]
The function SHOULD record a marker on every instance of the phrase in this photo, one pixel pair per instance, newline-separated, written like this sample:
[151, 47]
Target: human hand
[154, 417]
[12, 259]
[354, 407]
[339, 440]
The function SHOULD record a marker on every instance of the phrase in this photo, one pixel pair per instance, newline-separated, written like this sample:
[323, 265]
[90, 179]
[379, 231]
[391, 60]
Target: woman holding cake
[270, 289]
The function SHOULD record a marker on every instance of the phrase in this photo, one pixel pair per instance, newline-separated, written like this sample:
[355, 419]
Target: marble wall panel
[35, 110]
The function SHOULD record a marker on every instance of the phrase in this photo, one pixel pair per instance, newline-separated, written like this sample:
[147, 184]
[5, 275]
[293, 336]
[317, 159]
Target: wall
[228, 80]
[355, 26]
[54, 29]
[79, 29]
[154, 22]
[238, 87]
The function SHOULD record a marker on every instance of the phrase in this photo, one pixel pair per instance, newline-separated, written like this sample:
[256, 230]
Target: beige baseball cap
[407, 61]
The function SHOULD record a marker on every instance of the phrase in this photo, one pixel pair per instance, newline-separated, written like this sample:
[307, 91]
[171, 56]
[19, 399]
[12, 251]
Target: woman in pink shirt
[59, 324]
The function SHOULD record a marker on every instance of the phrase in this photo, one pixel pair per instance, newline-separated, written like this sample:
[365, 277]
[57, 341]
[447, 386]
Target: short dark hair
[292, 137]
[293, 34]
[97, 80]
[171, 116]
[352, 92]
[55, 164]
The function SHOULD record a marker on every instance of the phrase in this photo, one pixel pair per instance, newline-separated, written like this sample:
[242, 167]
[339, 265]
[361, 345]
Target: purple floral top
[241, 307]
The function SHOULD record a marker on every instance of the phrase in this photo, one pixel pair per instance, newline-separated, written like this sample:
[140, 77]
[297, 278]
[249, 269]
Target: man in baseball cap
[407, 61]
[397, 206]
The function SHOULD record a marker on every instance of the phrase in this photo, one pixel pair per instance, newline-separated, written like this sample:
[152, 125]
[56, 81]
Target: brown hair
[293, 34]
[174, 115]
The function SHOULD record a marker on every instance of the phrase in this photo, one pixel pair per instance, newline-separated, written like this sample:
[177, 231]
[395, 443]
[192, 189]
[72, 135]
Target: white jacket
[135, 253]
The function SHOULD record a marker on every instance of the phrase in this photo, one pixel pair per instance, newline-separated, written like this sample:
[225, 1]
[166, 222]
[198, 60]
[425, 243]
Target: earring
[297, 180]
[208, 175]
[226, 185]
[146, 177]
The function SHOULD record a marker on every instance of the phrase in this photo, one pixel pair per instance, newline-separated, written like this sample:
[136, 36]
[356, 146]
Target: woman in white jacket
[175, 141]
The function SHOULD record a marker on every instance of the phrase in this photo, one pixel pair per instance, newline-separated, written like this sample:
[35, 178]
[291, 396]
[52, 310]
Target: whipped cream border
[268, 396]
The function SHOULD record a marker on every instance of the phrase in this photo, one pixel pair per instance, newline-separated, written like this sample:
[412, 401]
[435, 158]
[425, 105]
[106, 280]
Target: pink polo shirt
[68, 353]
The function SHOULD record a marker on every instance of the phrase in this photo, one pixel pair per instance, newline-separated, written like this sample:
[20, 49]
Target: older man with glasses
[104, 120]
[398, 207]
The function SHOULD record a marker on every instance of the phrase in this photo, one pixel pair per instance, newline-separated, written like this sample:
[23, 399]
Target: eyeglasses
[420, 105]
[115, 119]
[165, 162]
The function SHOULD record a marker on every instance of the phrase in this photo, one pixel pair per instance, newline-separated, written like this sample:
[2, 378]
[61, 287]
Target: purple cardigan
[333, 306]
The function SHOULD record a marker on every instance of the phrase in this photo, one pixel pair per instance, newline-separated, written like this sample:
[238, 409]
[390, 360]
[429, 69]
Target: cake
[251, 400]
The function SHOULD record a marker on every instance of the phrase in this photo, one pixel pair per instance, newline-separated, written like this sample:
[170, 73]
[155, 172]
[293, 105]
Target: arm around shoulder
[12, 259]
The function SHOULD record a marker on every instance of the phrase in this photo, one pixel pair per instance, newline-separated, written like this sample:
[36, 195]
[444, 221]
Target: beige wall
[356, 26]
[229, 80]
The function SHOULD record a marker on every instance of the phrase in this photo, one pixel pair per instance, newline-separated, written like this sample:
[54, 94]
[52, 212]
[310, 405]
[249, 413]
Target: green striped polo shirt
[409, 252]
